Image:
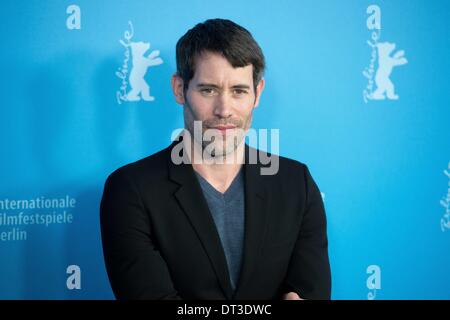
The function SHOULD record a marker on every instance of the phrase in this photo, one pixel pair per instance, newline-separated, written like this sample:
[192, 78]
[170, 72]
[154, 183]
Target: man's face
[222, 97]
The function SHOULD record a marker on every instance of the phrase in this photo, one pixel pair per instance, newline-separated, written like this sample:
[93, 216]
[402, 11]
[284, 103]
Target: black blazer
[160, 241]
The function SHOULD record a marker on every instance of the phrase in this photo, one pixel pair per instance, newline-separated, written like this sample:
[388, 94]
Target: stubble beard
[226, 144]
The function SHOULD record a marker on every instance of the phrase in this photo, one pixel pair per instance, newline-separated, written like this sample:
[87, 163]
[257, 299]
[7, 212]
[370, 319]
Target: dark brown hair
[221, 36]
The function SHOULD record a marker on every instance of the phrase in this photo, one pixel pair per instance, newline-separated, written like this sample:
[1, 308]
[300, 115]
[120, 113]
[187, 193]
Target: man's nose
[223, 107]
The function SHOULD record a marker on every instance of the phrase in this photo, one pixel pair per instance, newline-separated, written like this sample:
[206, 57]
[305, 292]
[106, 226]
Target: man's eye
[207, 91]
[240, 91]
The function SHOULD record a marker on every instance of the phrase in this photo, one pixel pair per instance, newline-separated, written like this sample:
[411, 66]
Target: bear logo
[140, 64]
[386, 62]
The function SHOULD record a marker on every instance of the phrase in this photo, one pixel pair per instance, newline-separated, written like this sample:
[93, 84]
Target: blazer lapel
[191, 200]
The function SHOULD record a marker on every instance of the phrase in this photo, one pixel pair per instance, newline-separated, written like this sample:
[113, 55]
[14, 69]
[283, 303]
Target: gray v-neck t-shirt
[228, 212]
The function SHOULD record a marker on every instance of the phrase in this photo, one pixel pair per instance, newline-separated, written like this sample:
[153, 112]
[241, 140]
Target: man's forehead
[209, 57]
[211, 67]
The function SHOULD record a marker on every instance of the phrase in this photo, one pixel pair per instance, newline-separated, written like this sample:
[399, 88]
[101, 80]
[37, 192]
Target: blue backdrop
[383, 165]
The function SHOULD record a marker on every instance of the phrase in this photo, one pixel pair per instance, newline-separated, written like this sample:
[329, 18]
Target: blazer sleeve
[309, 273]
[136, 269]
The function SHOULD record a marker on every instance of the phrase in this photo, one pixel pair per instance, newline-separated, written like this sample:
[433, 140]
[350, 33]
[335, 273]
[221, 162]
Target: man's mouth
[224, 128]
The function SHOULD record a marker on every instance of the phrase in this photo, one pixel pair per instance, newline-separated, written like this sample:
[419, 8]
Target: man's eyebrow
[212, 85]
[207, 85]
[241, 86]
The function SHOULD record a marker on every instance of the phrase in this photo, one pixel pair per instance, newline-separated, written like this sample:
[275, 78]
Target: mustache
[221, 122]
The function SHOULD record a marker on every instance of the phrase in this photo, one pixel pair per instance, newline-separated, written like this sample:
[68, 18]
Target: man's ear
[259, 90]
[178, 88]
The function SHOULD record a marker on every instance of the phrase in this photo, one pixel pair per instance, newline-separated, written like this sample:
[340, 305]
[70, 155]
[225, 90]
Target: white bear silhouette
[386, 63]
[139, 69]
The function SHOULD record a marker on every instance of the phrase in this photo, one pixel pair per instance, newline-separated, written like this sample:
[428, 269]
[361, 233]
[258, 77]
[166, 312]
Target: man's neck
[220, 175]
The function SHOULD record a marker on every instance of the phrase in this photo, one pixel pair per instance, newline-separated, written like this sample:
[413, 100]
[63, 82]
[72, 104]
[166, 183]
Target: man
[198, 220]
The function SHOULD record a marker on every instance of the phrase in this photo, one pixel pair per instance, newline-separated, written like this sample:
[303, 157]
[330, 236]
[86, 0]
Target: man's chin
[216, 151]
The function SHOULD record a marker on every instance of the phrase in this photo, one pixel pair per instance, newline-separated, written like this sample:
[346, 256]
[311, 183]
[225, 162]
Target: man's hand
[291, 296]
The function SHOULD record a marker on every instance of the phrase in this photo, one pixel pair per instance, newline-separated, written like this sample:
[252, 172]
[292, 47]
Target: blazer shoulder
[287, 167]
[290, 163]
[150, 168]
[290, 172]
[293, 170]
